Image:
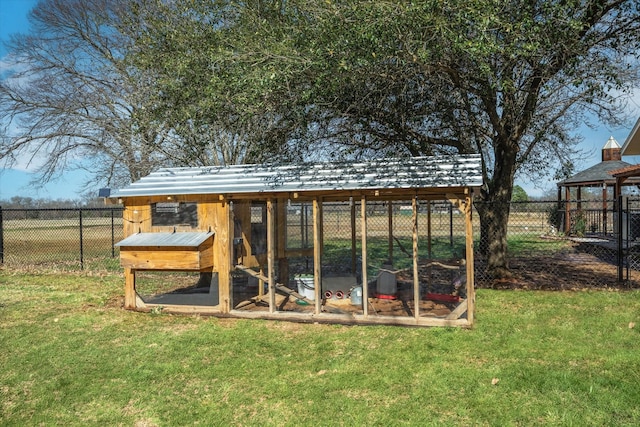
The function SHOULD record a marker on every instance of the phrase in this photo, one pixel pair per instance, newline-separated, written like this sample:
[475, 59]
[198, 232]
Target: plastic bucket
[306, 287]
[356, 295]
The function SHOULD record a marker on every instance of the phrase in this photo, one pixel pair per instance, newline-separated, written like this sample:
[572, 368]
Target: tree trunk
[493, 237]
[494, 209]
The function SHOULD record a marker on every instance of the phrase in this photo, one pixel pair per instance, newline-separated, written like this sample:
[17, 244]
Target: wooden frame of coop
[257, 237]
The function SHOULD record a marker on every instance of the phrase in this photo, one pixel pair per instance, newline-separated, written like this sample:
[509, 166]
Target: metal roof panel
[182, 239]
[414, 172]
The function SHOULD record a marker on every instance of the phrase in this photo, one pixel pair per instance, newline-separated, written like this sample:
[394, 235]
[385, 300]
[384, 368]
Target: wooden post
[416, 278]
[271, 253]
[261, 282]
[223, 241]
[129, 288]
[363, 236]
[471, 293]
[317, 252]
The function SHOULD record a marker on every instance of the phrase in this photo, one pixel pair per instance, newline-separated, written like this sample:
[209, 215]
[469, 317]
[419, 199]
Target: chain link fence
[63, 239]
[551, 245]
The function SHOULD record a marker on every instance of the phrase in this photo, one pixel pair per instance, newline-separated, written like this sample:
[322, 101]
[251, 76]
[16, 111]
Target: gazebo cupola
[611, 150]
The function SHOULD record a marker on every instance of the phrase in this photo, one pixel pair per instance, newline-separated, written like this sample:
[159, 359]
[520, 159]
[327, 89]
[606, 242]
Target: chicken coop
[379, 242]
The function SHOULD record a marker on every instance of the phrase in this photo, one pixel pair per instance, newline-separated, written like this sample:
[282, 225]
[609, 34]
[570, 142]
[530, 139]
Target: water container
[306, 287]
[387, 283]
[356, 295]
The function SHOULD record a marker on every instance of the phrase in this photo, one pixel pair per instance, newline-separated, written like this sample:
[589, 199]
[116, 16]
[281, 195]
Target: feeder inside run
[387, 283]
[338, 287]
[442, 297]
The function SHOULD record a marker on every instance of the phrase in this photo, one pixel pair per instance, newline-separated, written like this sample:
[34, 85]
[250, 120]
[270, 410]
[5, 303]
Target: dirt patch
[572, 271]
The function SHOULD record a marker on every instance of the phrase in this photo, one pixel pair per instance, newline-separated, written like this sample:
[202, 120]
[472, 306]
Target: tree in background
[519, 195]
[71, 101]
[510, 81]
[224, 81]
[220, 71]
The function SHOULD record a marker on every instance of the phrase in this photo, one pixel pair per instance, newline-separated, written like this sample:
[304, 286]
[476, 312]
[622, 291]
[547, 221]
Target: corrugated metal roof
[414, 172]
[182, 239]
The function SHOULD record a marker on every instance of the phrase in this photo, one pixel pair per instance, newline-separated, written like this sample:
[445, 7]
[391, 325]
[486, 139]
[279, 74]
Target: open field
[72, 356]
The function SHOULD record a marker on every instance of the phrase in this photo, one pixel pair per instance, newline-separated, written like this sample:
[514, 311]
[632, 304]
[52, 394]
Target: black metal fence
[551, 245]
[82, 238]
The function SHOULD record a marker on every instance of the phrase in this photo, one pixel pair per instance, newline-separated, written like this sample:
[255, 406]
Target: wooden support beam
[250, 272]
[129, 288]
[416, 276]
[457, 201]
[458, 311]
[223, 253]
[271, 253]
[363, 236]
[471, 292]
[278, 286]
[317, 252]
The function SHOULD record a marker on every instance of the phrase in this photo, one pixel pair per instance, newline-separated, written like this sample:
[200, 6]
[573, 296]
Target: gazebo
[597, 176]
[631, 147]
[625, 176]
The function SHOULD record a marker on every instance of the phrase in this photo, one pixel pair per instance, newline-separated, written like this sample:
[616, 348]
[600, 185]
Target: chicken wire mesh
[554, 245]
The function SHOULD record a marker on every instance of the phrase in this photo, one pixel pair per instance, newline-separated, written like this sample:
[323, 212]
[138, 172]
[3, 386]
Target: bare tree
[68, 99]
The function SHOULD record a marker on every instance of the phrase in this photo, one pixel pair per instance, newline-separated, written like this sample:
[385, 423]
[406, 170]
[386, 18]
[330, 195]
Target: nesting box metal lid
[178, 239]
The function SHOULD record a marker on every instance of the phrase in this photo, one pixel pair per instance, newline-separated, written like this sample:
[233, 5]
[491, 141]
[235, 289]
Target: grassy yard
[71, 356]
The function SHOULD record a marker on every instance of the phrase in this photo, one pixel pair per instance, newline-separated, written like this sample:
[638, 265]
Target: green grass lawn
[70, 355]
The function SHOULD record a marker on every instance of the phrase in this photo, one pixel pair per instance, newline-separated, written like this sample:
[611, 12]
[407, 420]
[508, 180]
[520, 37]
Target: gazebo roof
[604, 172]
[595, 175]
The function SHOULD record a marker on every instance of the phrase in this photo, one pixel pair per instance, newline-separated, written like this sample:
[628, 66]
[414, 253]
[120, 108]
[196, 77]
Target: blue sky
[16, 182]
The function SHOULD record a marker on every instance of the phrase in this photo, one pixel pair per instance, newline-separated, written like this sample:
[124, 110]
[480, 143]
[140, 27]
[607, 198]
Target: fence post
[81, 245]
[113, 237]
[620, 237]
[1, 237]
